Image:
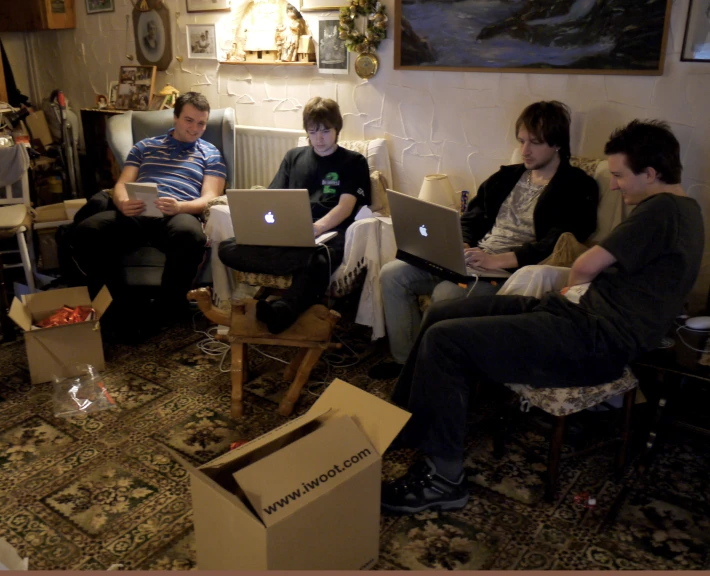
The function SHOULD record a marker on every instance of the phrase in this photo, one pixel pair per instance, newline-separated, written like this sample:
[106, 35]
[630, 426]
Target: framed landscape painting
[563, 36]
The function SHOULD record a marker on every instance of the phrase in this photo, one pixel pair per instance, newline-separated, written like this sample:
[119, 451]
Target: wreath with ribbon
[376, 31]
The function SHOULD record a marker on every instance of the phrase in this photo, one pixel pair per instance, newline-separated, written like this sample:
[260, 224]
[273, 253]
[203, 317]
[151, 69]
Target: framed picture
[201, 41]
[101, 101]
[580, 37]
[112, 92]
[696, 42]
[96, 6]
[135, 87]
[333, 56]
[322, 5]
[207, 5]
[157, 102]
[151, 29]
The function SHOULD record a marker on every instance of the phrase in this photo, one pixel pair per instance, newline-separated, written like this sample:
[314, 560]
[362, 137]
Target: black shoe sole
[439, 506]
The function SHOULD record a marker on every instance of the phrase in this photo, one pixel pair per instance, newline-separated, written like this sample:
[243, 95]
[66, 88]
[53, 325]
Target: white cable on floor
[213, 347]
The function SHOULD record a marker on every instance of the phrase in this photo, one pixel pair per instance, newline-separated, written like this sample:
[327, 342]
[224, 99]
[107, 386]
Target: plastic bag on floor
[82, 394]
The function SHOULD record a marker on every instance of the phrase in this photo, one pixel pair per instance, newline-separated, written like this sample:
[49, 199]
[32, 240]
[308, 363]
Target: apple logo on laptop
[422, 230]
[269, 217]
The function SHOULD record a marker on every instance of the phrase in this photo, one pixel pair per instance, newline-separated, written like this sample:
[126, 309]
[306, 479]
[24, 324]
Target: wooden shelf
[268, 63]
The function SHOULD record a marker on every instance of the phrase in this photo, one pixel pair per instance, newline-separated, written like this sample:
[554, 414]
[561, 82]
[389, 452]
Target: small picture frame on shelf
[696, 42]
[333, 55]
[207, 5]
[101, 101]
[96, 6]
[135, 87]
[201, 41]
[112, 92]
[158, 101]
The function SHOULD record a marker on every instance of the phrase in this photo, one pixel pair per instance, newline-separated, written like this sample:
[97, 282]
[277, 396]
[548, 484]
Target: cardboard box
[304, 496]
[58, 350]
[59, 212]
[37, 124]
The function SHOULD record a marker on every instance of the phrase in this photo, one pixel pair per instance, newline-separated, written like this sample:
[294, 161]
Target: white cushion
[13, 215]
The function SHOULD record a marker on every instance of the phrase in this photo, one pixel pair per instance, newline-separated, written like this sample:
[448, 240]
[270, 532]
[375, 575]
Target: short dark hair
[322, 112]
[195, 99]
[549, 122]
[648, 143]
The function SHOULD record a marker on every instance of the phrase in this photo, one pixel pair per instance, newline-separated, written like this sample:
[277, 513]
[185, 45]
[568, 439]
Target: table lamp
[437, 189]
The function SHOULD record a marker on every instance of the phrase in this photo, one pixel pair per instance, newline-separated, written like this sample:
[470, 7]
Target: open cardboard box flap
[201, 481]
[379, 420]
[285, 481]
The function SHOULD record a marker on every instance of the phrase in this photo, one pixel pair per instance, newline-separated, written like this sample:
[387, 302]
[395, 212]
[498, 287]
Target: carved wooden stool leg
[304, 371]
[292, 368]
[239, 376]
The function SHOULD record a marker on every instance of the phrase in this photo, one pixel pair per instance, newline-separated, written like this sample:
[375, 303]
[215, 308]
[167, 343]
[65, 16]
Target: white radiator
[259, 152]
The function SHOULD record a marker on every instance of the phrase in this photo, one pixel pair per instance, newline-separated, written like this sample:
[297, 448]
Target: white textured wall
[458, 123]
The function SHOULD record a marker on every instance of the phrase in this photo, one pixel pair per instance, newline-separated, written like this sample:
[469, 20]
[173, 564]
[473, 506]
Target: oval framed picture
[151, 30]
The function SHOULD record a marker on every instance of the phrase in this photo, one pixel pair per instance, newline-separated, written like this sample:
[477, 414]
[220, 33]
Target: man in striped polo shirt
[189, 172]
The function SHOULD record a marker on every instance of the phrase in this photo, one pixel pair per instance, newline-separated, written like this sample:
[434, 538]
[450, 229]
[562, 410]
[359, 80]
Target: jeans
[101, 240]
[503, 339]
[310, 268]
[402, 284]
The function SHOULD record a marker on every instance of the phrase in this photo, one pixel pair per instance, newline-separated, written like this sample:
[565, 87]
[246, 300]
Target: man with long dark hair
[515, 220]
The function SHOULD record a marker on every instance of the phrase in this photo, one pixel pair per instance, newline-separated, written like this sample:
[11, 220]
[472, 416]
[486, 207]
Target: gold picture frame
[627, 38]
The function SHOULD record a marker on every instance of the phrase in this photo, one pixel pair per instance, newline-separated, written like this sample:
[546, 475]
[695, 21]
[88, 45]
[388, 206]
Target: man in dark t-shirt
[338, 181]
[622, 296]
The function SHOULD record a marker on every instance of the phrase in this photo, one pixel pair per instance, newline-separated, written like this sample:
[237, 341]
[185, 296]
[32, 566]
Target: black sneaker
[423, 488]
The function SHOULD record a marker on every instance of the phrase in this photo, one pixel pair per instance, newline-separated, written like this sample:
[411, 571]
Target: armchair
[143, 268]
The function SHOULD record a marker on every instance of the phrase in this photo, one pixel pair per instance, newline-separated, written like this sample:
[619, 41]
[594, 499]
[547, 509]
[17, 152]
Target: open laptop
[266, 217]
[429, 236]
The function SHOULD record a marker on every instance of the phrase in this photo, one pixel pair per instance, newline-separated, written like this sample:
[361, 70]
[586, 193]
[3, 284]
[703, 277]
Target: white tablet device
[148, 193]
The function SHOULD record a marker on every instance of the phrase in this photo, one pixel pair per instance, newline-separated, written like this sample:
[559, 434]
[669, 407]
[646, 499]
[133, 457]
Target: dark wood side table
[99, 157]
[661, 370]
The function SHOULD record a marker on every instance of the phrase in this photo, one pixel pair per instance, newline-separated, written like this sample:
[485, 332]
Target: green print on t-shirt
[331, 179]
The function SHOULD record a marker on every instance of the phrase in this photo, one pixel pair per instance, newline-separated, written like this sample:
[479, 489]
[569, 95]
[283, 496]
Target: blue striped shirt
[178, 168]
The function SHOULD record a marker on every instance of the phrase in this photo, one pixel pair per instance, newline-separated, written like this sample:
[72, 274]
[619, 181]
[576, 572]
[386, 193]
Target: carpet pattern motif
[93, 491]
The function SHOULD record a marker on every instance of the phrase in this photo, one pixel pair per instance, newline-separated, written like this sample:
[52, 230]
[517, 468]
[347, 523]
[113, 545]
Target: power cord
[472, 287]
[696, 331]
[213, 347]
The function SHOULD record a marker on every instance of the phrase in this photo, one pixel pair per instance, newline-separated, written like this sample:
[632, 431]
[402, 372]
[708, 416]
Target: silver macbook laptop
[273, 218]
[429, 236]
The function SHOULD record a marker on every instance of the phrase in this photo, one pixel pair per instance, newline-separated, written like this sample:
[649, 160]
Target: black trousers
[503, 339]
[100, 241]
[310, 268]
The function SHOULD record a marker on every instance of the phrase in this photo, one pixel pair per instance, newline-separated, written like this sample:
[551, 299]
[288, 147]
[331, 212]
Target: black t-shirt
[326, 178]
[658, 249]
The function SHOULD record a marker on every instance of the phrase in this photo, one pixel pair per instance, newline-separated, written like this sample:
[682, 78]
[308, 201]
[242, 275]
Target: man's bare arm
[120, 196]
[345, 207]
[212, 187]
[588, 266]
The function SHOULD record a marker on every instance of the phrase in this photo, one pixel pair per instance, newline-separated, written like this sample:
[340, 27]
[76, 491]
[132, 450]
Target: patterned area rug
[94, 491]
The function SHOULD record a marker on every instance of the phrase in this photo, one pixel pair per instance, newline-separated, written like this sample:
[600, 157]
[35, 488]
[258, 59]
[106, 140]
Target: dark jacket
[567, 204]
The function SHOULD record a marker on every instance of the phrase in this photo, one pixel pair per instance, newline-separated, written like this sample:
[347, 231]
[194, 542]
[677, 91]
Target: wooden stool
[310, 333]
